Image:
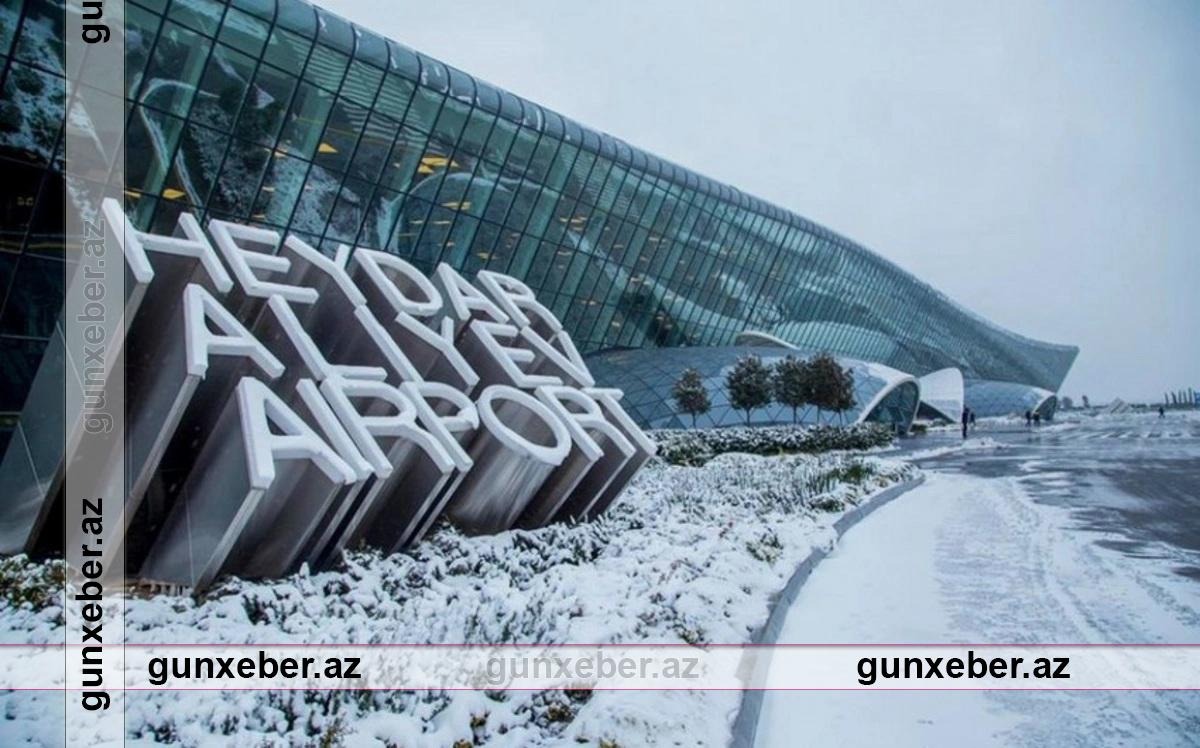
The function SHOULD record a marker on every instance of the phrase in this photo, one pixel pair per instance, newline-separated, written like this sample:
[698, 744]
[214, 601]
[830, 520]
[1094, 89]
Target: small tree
[749, 384]
[690, 395]
[793, 386]
[845, 393]
[832, 385]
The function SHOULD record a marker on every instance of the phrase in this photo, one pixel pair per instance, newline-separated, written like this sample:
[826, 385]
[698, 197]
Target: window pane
[280, 190]
[286, 50]
[244, 32]
[362, 83]
[31, 113]
[373, 147]
[451, 121]
[265, 108]
[403, 162]
[302, 127]
[202, 15]
[423, 111]
[222, 88]
[179, 58]
[341, 134]
[326, 68]
[394, 96]
[238, 183]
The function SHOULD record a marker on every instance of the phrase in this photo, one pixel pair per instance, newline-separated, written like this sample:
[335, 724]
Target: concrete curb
[745, 725]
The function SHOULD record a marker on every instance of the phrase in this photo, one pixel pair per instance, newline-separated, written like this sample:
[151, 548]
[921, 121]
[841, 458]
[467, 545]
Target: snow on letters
[285, 405]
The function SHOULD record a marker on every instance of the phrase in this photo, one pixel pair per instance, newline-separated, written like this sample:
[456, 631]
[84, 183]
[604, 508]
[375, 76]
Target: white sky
[1038, 162]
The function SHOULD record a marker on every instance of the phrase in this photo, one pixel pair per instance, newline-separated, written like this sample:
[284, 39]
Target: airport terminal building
[279, 114]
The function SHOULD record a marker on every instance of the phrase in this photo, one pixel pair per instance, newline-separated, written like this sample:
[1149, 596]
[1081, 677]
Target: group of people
[1032, 418]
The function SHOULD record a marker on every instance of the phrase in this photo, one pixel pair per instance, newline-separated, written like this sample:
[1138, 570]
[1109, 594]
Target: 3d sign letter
[285, 405]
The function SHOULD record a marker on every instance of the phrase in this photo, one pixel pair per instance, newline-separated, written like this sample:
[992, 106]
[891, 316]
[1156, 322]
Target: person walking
[1162, 413]
[972, 420]
[1037, 419]
[966, 419]
[1028, 418]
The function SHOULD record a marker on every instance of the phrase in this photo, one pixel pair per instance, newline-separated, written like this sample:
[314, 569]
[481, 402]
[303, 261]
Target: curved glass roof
[280, 114]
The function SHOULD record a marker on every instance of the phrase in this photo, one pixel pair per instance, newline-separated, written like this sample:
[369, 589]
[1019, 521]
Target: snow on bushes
[690, 554]
[698, 446]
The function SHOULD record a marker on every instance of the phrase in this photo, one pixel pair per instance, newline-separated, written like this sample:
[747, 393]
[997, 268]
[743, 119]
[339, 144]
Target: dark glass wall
[277, 113]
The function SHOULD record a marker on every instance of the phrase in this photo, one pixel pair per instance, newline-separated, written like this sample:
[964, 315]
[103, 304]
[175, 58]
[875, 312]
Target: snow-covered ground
[691, 554]
[979, 559]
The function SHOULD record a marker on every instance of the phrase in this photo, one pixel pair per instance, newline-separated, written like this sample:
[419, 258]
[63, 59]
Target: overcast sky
[1038, 162]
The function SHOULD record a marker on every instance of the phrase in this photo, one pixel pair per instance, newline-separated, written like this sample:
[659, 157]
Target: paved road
[1135, 478]
[1079, 533]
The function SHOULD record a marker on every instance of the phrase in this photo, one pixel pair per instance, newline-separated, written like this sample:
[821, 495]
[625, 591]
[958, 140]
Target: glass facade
[280, 114]
[881, 394]
[1008, 398]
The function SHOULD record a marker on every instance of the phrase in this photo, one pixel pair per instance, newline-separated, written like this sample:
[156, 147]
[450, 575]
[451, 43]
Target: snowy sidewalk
[976, 560]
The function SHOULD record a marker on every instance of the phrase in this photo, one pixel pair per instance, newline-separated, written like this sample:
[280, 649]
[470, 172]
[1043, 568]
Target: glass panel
[264, 9]
[222, 88]
[178, 63]
[394, 96]
[423, 111]
[450, 121]
[334, 31]
[34, 298]
[326, 67]
[238, 183]
[31, 113]
[320, 191]
[280, 190]
[41, 39]
[404, 61]
[141, 28]
[341, 134]
[155, 135]
[202, 15]
[370, 48]
[305, 120]
[17, 201]
[297, 16]
[264, 110]
[287, 50]
[373, 147]
[243, 32]
[362, 83]
[10, 16]
[405, 157]
[349, 211]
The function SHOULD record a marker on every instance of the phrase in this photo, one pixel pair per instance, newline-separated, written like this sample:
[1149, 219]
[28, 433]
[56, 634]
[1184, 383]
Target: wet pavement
[1134, 480]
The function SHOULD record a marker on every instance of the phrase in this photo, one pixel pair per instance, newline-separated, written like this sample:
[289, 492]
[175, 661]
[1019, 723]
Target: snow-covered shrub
[29, 585]
[698, 446]
[688, 555]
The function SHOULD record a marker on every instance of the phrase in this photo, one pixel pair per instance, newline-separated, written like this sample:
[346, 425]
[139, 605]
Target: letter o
[552, 454]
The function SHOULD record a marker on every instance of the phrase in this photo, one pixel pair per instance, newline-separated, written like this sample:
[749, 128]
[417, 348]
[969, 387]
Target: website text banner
[652, 667]
[96, 308]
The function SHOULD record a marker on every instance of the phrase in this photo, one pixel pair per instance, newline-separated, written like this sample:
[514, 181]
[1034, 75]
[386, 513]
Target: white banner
[650, 667]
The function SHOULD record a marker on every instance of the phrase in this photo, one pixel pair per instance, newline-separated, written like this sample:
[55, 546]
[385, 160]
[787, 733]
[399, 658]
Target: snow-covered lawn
[691, 554]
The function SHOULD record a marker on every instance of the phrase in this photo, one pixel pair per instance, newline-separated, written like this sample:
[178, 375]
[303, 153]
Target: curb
[745, 725]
